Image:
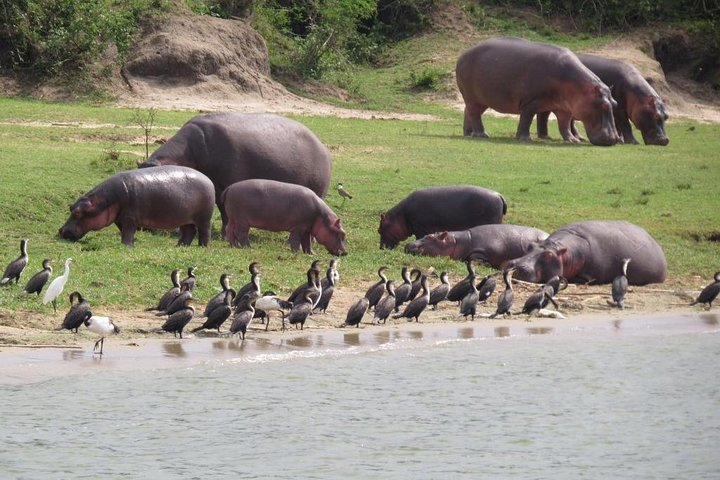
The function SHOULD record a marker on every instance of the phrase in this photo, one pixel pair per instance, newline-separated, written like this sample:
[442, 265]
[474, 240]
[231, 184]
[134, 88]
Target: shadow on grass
[508, 141]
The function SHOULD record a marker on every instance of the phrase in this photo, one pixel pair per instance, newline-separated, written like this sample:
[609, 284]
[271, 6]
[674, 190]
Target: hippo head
[433, 244]
[330, 234]
[649, 116]
[392, 230]
[543, 262]
[596, 113]
[89, 212]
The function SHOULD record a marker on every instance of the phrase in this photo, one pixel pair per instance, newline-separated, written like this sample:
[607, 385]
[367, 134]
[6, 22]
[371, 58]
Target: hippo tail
[504, 205]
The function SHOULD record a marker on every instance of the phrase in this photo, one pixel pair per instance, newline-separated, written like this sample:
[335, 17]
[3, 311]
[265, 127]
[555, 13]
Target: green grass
[670, 191]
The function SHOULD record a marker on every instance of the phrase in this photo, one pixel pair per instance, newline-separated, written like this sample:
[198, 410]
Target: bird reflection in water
[539, 330]
[415, 334]
[219, 345]
[502, 332]
[351, 339]
[301, 342]
[382, 337]
[74, 354]
[466, 332]
[174, 349]
[710, 318]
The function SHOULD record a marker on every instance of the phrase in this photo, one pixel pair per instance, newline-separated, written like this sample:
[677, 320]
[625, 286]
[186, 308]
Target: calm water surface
[638, 399]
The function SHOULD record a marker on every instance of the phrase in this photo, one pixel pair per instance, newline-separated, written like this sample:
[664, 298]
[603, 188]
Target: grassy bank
[52, 153]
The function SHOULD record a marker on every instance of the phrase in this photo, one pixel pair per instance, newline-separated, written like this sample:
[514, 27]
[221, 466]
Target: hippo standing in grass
[593, 252]
[493, 245]
[436, 209]
[278, 206]
[230, 147]
[636, 101]
[512, 75]
[163, 198]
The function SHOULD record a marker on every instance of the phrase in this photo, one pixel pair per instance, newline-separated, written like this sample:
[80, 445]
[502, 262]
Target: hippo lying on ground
[636, 101]
[278, 206]
[512, 75]
[593, 252]
[230, 147]
[493, 245]
[162, 198]
[436, 209]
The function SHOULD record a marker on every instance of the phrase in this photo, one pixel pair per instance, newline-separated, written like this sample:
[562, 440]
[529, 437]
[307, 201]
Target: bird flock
[407, 298]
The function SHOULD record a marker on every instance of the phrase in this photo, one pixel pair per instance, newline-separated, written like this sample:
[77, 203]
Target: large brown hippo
[493, 245]
[636, 101]
[435, 209]
[278, 206]
[512, 75]
[161, 198]
[230, 147]
[593, 252]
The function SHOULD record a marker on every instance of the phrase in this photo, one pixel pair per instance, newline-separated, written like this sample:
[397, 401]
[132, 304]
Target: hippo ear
[561, 251]
[442, 236]
[337, 224]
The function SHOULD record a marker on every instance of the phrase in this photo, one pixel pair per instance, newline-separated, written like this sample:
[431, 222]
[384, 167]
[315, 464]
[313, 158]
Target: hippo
[513, 75]
[492, 245]
[278, 206]
[231, 147]
[636, 101]
[160, 198]
[593, 252]
[435, 209]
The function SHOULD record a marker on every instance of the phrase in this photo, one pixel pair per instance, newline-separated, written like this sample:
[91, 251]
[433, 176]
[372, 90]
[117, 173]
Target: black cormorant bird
[252, 286]
[328, 288]
[620, 286]
[38, 281]
[462, 288]
[486, 287]
[177, 321]
[507, 297]
[219, 299]
[468, 305]
[244, 315]
[177, 303]
[544, 295]
[169, 295]
[386, 305]
[355, 313]
[415, 275]
[403, 290]
[439, 293]
[189, 281]
[417, 306]
[375, 292]
[217, 315]
[313, 285]
[16, 267]
[709, 293]
[300, 311]
[77, 315]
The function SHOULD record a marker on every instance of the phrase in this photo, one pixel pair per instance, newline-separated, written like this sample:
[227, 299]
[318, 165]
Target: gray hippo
[492, 245]
[636, 101]
[278, 206]
[163, 198]
[435, 209]
[230, 147]
[593, 252]
[512, 75]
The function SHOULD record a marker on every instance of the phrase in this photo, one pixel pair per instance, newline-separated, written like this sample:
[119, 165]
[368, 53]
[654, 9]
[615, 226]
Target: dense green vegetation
[54, 152]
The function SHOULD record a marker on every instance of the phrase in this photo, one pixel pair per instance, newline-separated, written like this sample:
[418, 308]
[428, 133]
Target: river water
[604, 399]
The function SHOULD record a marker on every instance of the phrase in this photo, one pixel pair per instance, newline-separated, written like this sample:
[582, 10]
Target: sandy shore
[31, 349]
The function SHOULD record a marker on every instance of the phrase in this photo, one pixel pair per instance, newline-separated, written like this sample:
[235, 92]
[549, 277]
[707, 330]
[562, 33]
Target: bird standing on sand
[177, 321]
[313, 284]
[102, 326]
[217, 315]
[243, 317]
[219, 299]
[544, 295]
[170, 295]
[56, 286]
[620, 286]
[343, 193]
[385, 306]
[356, 312]
[418, 305]
[486, 287]
[78, 314]
[439, 293]
[375, 292]
[402, 291]
[468, 305]
[328, 288]
[462, 288]
[507, 297]
[177, 303]
[300, 311]
[190, 280]
[709, 293]
[270, 302]
[16, 267]
[38, 281]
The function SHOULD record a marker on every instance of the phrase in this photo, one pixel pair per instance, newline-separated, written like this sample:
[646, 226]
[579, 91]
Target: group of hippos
[269, 172]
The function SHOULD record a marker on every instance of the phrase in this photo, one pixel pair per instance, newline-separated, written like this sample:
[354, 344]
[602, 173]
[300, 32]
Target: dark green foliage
[428, 79]
[49, 37]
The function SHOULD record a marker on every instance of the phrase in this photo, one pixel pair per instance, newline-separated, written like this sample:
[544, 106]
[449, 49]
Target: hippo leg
[542, 125]
[306, 242]
[223, 216]
[204, 229]
[472, 123]
[187, 234]
[574, 131]
[623, 127]
[127, 232]
[237, 234]
[295, 240]
[565, 125]
[526, 117]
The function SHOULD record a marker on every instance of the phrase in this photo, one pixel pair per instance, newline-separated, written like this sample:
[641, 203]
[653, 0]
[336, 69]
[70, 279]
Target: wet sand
[28, 365]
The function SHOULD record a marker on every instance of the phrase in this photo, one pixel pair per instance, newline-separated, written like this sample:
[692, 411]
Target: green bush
[429, 79]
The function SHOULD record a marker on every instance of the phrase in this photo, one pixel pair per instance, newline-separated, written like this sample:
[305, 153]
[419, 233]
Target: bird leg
[55, 308]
